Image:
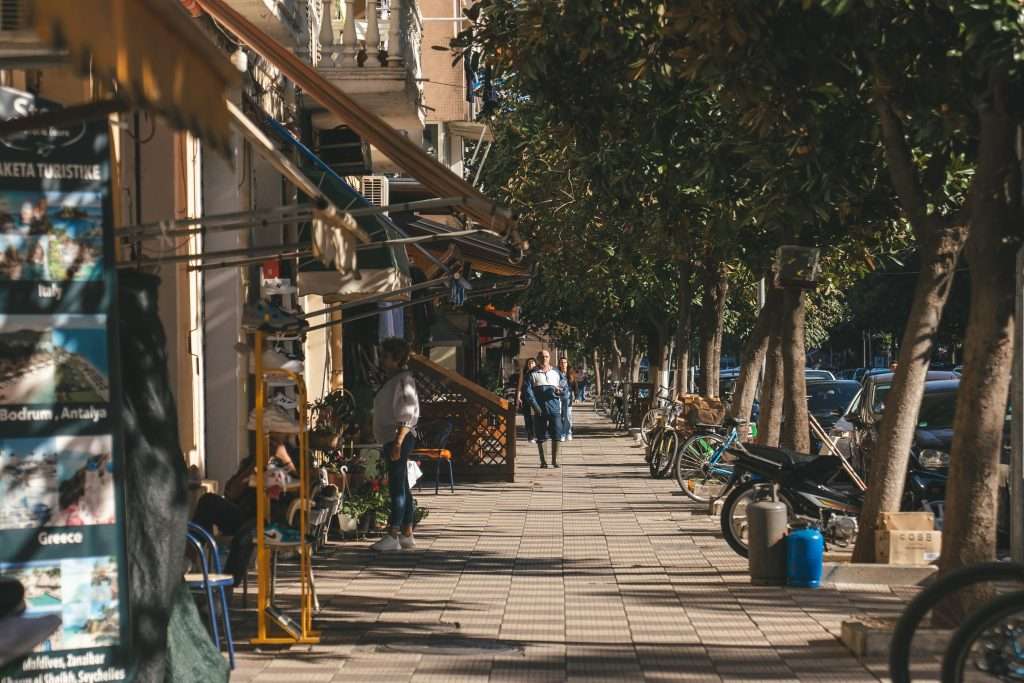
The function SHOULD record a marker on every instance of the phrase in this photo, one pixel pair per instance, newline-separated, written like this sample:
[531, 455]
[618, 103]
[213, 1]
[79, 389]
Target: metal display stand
[302, 632]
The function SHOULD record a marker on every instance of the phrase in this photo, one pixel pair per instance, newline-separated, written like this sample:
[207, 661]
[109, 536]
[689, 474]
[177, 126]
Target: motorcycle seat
[783, 457]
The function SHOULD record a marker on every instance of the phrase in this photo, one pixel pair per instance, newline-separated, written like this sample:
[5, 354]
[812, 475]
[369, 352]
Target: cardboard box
[906, 521]
[907, 546]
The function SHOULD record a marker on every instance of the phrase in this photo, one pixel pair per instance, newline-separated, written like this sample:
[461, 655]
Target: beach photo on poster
[51, 236]
[56, 481]
[53, 359]
[83, 592]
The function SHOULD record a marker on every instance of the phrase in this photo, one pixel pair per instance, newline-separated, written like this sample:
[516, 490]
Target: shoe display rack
[300, 631]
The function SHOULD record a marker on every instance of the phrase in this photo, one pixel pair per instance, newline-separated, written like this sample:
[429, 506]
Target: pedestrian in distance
[568, 396]
[396, 411]
[524, 404]
[543, 390]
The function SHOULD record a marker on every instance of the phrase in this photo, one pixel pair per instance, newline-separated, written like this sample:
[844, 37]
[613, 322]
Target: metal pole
[1017, 401]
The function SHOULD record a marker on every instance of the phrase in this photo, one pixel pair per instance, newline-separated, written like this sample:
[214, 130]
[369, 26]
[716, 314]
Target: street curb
[876, 574]
[867, 637]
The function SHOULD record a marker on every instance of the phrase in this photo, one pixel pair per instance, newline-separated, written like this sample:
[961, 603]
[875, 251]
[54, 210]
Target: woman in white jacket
[396, 411]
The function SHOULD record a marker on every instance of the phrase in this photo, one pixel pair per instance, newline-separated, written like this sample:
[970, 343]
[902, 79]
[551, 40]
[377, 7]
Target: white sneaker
[388, 544]
[561, 439]
[570, 437]
[407, 542]
[285, 402]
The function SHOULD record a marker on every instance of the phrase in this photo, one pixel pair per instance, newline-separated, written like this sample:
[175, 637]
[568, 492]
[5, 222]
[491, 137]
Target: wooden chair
[434, 438]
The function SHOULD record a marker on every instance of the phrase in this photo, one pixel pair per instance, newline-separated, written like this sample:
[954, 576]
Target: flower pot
[368, 522]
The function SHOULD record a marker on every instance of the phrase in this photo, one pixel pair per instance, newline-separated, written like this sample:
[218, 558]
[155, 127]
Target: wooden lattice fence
[482, 442]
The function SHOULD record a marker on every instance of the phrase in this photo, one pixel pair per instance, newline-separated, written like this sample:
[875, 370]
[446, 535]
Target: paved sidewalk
[591, 572]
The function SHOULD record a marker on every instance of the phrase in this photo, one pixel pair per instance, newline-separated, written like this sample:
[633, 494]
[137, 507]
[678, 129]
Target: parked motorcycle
[817, 488]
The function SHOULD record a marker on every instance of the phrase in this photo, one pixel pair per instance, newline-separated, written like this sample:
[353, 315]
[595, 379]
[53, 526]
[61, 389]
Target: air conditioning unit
[375, 189]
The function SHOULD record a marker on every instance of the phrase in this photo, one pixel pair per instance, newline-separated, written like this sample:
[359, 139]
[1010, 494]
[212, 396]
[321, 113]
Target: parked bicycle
[987, 646]
[655, 417]
[701, 463]
[664, 443]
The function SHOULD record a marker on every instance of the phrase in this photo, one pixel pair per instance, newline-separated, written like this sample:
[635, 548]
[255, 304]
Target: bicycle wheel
[694, 471]
[661, 466]
[903, 633]
[989, 645]
[651, 421]
[654, 453]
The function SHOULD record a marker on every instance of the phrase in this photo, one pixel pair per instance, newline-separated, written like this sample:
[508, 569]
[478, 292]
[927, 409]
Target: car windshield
[830, 396]
[937, 410]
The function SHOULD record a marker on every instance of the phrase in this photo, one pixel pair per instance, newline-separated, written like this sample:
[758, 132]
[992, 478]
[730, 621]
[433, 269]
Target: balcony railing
[387, 37]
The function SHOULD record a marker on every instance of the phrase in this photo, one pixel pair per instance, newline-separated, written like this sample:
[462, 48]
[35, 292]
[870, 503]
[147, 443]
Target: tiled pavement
[590, 572]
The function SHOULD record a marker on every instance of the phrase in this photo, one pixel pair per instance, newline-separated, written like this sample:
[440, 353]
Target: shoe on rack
[276, 533]
[275, 360]
[284, 402]
[275, 419]
[388, 544]
[268, 317]
[407, 542]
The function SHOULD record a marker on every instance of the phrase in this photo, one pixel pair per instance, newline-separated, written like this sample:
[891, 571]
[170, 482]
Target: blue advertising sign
[61, 500]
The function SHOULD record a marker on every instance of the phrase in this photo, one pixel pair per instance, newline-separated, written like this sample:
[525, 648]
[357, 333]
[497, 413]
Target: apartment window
[431, 134]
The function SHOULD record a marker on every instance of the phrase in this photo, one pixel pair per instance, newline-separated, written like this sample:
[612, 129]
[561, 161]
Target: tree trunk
[969, 532]
[939, 243]
[684, 326]
[795, 430]
[888, 464]
[712, 321]
[656, 353]
[598, 379]
[769, 426]
[754, 351]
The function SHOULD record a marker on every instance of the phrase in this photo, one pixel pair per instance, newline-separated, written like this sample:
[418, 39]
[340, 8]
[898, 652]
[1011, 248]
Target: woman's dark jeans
[231, 519]
[402, 510]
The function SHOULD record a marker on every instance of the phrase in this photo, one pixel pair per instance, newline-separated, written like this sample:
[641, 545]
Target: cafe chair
[434, 438]
[210, 578]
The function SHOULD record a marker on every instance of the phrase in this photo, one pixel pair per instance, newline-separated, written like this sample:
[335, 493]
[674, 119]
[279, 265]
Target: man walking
[543, 389]
[568, 397]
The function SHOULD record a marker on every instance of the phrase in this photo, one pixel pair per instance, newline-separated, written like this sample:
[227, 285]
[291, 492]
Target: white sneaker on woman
[388, 544]
[407, 542]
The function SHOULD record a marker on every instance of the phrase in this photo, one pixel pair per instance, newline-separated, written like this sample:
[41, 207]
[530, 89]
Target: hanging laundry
[334, 241]
[390, 323]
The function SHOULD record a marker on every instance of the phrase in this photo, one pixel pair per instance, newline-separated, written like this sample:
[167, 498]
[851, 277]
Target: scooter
[823, 489]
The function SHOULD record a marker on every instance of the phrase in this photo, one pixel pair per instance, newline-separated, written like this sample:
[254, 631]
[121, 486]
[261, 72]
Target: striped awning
[159, 58]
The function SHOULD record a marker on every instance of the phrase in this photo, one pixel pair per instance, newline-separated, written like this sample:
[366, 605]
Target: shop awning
[335, 189]
[394, 145]
[485, 252]
[283, 165]
[158, 56]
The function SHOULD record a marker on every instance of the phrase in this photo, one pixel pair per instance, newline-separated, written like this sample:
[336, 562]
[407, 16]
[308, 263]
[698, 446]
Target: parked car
[935, 421]
[867, 406]
[828, 400]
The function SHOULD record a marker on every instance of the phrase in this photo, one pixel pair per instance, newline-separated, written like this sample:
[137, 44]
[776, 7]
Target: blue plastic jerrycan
[805, 557]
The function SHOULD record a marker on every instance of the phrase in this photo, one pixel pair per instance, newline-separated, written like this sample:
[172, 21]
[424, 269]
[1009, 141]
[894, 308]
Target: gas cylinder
[805, 557]
[766, 541]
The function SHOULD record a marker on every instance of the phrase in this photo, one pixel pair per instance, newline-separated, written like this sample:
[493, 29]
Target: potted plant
[329, 417]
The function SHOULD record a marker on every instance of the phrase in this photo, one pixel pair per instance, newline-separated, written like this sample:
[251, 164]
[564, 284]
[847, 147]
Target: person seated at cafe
[234, 513]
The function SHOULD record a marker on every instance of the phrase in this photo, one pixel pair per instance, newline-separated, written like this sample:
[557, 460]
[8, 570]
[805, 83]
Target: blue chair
[433, 442]
[211, 577]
